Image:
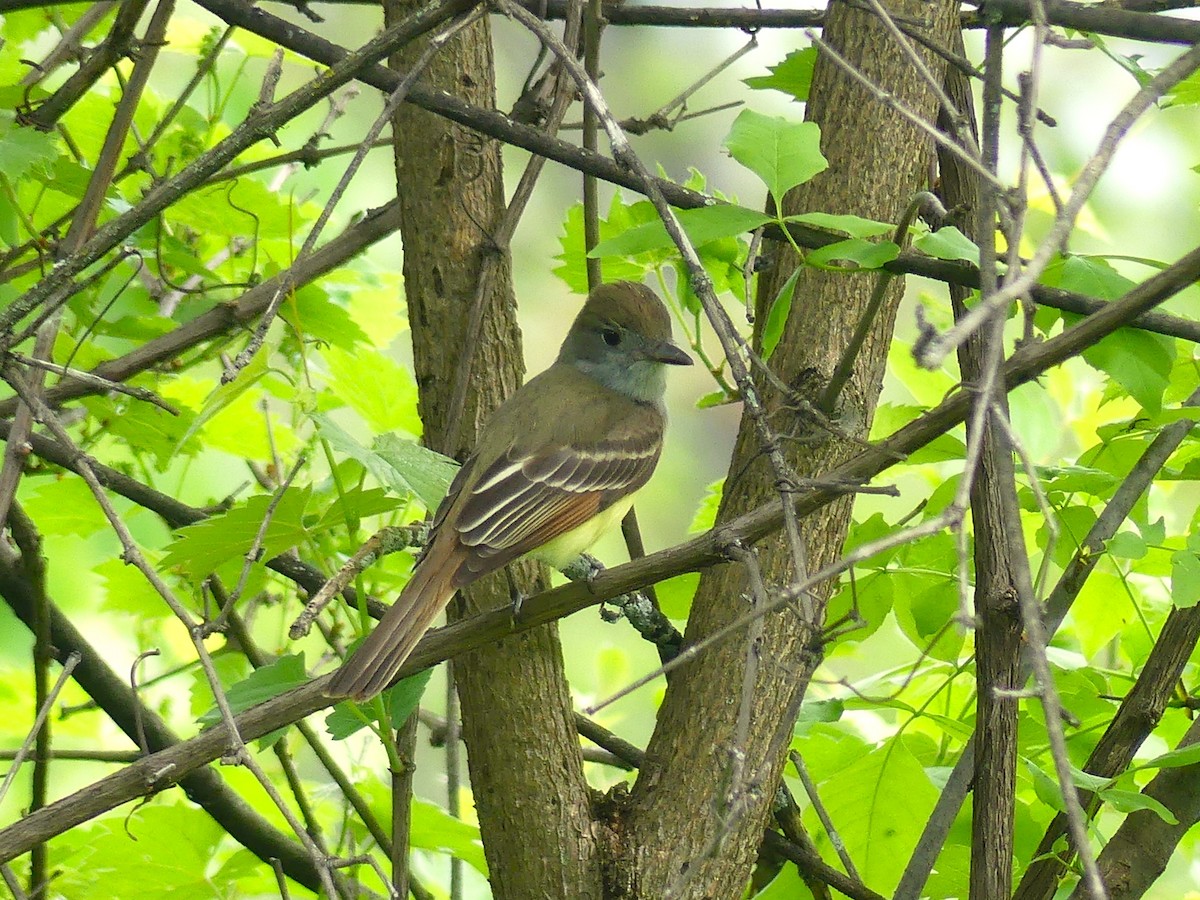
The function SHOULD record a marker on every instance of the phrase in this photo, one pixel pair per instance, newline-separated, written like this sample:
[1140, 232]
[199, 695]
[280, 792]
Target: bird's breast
[566, 547]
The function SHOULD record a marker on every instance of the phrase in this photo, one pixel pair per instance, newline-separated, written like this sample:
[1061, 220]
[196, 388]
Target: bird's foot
[585, 568]
[515, 597]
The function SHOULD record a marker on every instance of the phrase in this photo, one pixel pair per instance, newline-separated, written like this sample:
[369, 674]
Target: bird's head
[622, 338]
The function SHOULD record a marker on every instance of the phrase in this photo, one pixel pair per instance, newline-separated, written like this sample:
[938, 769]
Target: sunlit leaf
[434, 829]
[201, 548]
[948, 243]
[781, 308]
[853, 254]
[405, 466]
[400, 699]
[780, 152]
[703, 226]
[262, 684]
[855, 226]
[793, 76]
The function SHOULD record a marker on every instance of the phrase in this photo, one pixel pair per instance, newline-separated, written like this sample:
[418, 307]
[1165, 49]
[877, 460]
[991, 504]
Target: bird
[556, 465]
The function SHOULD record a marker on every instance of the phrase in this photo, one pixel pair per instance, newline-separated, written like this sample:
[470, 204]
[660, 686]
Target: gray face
[621, 357]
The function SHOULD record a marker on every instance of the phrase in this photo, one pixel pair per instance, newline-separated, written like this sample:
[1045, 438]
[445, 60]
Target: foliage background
[354, 368]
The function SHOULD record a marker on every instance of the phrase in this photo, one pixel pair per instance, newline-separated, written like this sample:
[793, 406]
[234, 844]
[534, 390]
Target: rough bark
[1136, 718]
[523, 752]
[690, 835]
[1138, 853]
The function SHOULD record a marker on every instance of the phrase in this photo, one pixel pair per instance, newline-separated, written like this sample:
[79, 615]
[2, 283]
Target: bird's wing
[522, 501]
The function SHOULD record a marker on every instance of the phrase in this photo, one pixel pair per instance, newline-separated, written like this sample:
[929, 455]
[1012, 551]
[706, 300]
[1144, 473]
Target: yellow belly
[566, 547]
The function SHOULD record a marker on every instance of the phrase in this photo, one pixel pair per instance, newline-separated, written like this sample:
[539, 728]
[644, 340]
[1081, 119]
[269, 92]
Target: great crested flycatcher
[556, 465]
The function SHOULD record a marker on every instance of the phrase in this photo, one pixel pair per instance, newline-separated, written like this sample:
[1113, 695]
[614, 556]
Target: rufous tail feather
[374, 664]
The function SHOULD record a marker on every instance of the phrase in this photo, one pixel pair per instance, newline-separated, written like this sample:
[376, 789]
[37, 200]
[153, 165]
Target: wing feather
[520, 502]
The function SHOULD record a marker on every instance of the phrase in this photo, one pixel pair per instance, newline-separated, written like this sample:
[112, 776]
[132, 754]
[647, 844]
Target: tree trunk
[692, 833]
[523, 752]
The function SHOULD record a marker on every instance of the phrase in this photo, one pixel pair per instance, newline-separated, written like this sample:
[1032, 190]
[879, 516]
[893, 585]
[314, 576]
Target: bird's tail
[373, 665]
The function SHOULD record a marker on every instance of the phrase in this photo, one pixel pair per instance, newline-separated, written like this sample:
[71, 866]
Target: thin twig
[133, 555]
[254, 553]
[391, 539]
[116, 44]
[934, 351]
[432, 48]
[68, 667]
[51, 289]
[96, 381]
[814, 797]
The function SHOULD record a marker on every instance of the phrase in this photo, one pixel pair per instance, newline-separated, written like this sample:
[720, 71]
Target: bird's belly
[566, 547]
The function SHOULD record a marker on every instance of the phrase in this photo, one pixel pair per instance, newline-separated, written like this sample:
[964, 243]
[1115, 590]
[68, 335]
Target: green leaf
[426, 473]
[225, 394]
[781, 308]
[814, 711]
[703, 226]
[259, 686]
[1133, 801]
[780, 152]
[859, 253]
[1074, 522]
[148, 430]
[378, 388]
[948, 243]
[793, 76]
[199, 549]
[156, 852]
[1046, 788]
[344, 720]
[1174, 759]
[621, 218]
[1185, 93]
[63, 506]
[1127, 545]
[1138, 361]
[1075, 479]
[1091, 275]
[434, 829]
[316, 315]
[400, 699]
[714, 398]
[1154, 532]
[404, 466]
[127, 592]
[706, 513]
[855, 226]
[675, 595]
[242, 207]
[1185, 578]
[878, 802]
[403, 696]
[925, 605]
[786, 885]
[23, 149]
[871, 596]
[355, 504]
[890, 417]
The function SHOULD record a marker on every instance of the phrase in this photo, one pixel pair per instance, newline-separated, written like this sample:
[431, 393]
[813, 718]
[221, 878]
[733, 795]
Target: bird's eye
[611, 336]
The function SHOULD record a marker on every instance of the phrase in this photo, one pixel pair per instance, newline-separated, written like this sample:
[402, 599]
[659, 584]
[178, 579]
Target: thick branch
[1136, 855]
[202, 785]
[497, 125]
[227, 317]
[169, 766]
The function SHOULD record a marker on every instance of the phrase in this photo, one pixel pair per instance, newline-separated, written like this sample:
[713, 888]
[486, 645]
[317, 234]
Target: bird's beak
[668, 353]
